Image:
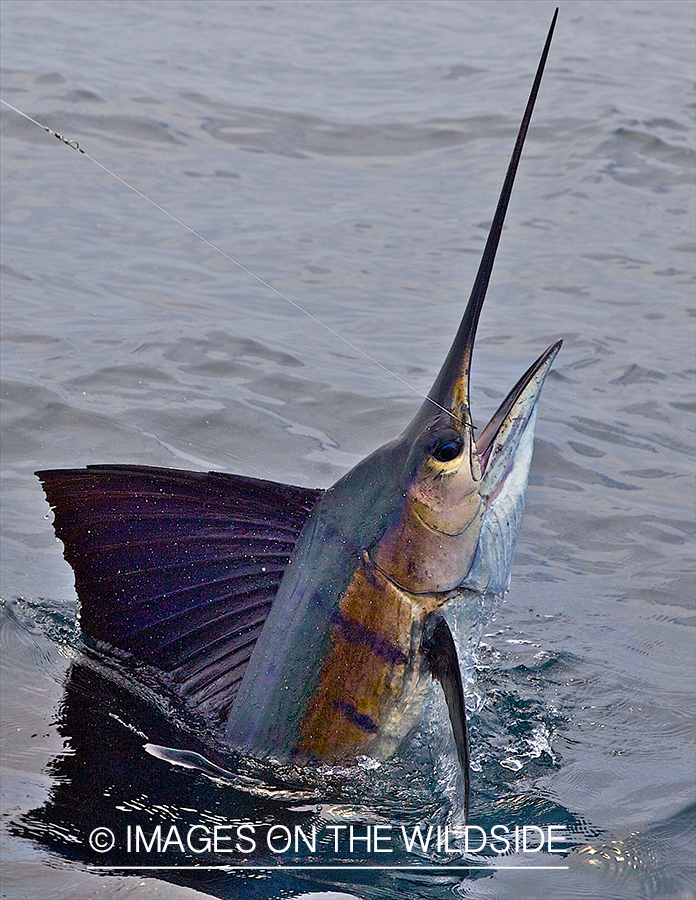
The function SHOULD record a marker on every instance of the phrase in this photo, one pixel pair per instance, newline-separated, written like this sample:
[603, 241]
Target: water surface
[351, 154]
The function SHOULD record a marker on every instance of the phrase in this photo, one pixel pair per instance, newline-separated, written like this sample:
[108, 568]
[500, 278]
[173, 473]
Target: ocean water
[350, 154]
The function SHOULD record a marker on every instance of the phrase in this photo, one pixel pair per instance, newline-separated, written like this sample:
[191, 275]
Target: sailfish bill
[310, 624]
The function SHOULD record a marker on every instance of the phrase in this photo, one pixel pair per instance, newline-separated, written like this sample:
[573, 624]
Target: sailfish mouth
[514, 412]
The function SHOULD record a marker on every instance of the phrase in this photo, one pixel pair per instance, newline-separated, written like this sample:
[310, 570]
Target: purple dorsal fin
[177, 568]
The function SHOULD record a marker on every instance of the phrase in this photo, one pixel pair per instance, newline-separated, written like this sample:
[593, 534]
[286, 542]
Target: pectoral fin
[439, 650]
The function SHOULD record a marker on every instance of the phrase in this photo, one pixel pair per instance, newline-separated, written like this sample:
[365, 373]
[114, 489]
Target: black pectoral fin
[177, 568]
[440, 651]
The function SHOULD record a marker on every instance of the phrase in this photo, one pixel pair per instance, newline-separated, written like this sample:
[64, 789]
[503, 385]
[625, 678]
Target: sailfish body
[311, 624]
[340, 668]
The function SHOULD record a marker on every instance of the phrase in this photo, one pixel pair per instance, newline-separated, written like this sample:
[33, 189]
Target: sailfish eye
[447, 448]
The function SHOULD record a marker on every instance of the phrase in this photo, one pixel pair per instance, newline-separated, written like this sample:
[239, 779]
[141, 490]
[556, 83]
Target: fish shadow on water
[122, 769]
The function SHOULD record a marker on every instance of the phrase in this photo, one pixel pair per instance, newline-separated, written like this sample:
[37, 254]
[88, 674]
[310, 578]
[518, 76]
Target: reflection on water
[122, 767]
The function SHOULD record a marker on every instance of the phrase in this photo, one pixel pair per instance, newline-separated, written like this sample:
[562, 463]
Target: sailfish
[309, 624]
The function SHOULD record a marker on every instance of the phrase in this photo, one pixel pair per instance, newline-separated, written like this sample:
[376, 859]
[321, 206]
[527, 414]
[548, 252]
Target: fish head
[462, 500]
[443, 488]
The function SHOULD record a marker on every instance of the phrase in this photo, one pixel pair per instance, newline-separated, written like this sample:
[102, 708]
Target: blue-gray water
[351, 153]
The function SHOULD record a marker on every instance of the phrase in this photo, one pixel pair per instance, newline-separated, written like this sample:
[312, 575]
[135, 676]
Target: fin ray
[177, 568]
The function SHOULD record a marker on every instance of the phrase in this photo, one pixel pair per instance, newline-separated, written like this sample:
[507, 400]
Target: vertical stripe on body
[373, 657]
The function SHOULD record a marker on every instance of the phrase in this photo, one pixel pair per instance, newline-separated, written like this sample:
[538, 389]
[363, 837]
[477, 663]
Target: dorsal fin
[177, 568]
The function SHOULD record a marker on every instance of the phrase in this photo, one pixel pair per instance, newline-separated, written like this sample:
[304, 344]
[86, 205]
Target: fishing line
[75, 146]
